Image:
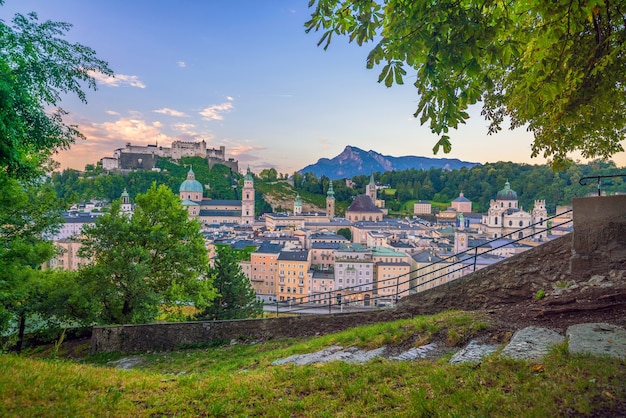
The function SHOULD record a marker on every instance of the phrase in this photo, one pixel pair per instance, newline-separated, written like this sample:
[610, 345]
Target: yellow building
[67, 256]
[429, 270]
[293, 279]
[391, 275]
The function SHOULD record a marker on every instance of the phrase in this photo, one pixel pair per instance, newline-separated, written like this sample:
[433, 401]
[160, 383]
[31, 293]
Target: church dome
[507, 193]
[191, 184]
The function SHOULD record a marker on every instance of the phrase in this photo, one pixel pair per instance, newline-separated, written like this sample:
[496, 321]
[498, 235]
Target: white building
[506, 217]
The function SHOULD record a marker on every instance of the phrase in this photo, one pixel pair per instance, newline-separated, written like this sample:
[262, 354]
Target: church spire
[330, 201]
[330, 192]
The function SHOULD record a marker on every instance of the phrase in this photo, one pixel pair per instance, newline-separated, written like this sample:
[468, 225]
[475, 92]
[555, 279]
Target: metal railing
[457, 263]
[583, 180]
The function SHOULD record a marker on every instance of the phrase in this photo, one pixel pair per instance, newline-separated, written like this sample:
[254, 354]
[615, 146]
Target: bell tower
[330, 201]
[247, 199]
[460, 236]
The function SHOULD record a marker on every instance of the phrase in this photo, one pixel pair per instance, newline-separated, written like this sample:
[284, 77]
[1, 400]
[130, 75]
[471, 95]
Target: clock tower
[460, 236]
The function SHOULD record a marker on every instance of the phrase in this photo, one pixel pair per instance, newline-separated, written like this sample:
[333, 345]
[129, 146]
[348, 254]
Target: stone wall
[170, 336]
[599, 235]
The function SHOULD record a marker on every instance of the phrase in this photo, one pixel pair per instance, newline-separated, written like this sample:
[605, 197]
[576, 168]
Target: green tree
[141, 264]
[269, 174]
[28, 212]
[345, 232]
[557, 67]
[236, 298]
[37, 67]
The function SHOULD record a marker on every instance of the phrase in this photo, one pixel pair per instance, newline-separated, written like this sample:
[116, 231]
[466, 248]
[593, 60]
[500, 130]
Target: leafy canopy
[143, 263]
[28, 212]
[37, 67]
[557, 67]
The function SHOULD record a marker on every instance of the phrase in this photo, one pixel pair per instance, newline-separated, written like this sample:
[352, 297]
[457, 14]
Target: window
[521, 223]
[510, 223]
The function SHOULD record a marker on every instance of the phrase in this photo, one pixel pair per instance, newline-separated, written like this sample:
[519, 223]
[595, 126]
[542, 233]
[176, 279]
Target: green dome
[507, 193]
[191, 184]
[248, 175]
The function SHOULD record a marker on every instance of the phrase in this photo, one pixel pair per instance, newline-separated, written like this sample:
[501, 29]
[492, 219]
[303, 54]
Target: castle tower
[330, 201]
[370, 189]
[247, 199]
[297, 205]
[460, 236]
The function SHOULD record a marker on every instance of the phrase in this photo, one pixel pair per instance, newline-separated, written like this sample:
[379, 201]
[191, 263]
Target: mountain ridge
[353, 161]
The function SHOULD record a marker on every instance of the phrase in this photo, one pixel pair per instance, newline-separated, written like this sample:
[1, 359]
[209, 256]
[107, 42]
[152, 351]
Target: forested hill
[73, 186]
[479, 184]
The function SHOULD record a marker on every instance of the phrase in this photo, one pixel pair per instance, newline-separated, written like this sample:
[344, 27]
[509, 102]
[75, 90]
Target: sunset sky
[245, 75]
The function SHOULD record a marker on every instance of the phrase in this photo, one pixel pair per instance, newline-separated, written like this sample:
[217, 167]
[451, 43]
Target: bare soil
[538, 288]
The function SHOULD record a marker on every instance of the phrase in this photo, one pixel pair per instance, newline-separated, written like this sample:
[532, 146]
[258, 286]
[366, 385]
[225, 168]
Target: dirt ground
[536, 288]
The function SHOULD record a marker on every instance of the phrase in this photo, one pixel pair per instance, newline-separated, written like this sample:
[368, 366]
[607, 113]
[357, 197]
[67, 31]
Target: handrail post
[475, 257]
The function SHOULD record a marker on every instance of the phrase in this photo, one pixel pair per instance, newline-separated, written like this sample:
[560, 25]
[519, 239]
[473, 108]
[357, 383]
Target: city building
[506, 218]
[293, 277]
[462, 204]
[422, 208]
[67, 257]
[263, 271]
[216, 212]
[363, 208]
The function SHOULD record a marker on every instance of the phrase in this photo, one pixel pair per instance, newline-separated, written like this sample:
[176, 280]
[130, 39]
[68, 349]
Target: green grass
[239, 380]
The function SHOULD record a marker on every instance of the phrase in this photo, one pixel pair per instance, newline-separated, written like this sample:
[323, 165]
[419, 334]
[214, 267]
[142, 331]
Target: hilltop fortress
[140, 157]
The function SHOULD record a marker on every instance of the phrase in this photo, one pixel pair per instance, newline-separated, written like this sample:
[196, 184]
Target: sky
[244, 74]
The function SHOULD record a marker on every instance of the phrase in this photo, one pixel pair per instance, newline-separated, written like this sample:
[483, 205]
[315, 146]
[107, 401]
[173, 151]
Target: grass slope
[240, 380]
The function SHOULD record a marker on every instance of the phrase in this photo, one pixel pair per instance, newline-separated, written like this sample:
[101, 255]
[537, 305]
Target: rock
[126, 363]
[599, 339]
[416, 353]
[474, 353]
[334, 353]
[531, 343]
[595, 280]
[301, 359]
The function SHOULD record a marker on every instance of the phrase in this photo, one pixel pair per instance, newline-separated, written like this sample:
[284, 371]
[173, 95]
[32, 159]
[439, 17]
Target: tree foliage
[142, 263]
[236, 298]
[556, 67]
[37, 67]
[346, 233]
[28, 212]
[74, 186]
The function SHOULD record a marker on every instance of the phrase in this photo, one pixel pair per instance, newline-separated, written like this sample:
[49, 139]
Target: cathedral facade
[216, 212]
[506, 218]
